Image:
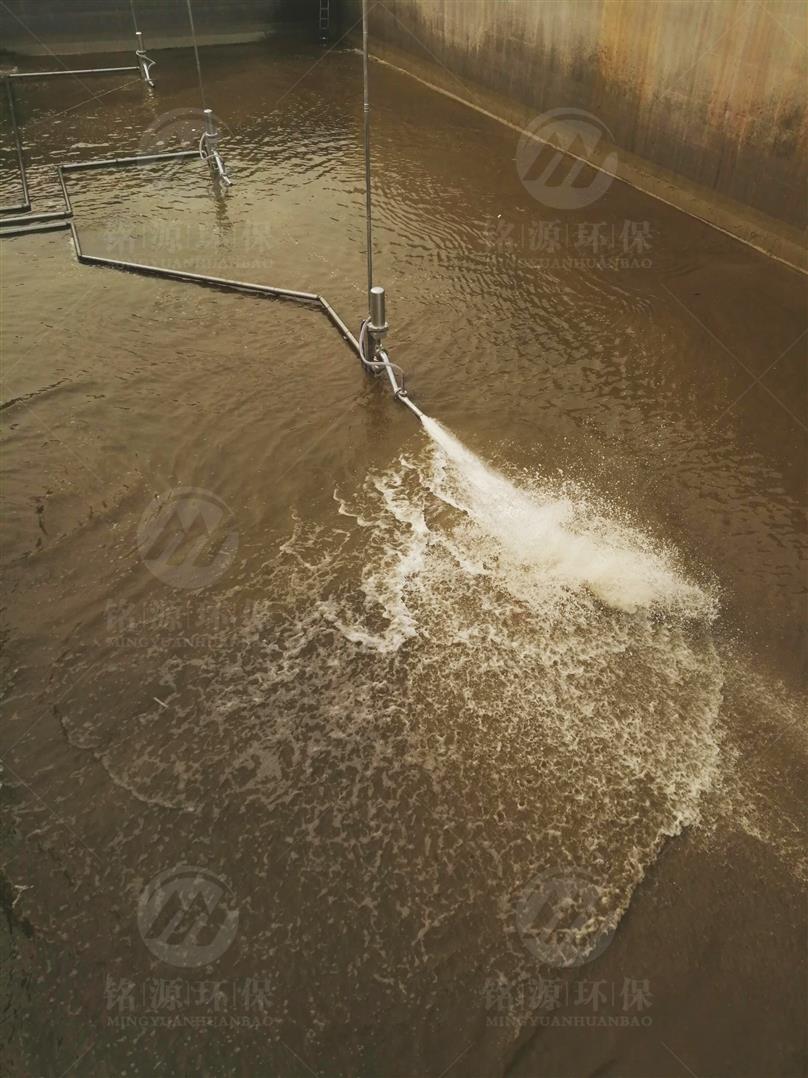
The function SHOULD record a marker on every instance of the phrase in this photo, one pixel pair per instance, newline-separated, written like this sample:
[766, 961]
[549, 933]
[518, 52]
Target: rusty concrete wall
[712, 91]
[36, 27]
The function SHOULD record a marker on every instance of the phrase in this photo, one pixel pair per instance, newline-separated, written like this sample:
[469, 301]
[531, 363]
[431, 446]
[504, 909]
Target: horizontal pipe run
[43, 226]
[199, 278]
[120, 162]
[81, 71]
[183, 275]
[33, 218]
[222, 283]
[23, 208]
[250, 289]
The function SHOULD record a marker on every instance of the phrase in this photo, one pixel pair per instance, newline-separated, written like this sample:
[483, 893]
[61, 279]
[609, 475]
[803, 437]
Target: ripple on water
[460, 685]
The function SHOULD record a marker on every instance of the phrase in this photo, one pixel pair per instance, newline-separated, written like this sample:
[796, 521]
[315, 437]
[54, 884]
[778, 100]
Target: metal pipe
[202, 279]
[405, 399]
[335, 319]
[120, 162]
[378, 322]
[74, 232]
[242, 286]
[221, 171]
[44, 226]
[65, 195]
[143, 60]
[53, 222]
[15, 135]
[388, 366]
[368, 200]
[380, 362]
[33, 218]
[55, 74]
[209, 147]
[377, 325]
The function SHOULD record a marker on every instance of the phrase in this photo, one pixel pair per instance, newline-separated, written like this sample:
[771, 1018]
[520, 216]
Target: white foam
[440, 704]
[559, 539]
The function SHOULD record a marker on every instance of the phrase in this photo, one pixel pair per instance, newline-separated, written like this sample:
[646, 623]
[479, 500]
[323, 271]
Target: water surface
[385, 682]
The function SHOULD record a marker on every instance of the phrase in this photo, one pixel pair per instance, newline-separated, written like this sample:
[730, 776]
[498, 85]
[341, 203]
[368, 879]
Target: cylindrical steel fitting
[377, 326]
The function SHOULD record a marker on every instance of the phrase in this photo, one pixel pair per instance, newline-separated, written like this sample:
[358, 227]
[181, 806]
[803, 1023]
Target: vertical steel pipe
[368, 206]
[15, 136]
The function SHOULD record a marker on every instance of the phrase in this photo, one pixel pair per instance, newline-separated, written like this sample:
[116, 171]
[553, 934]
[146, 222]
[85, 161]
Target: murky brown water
[388, 701]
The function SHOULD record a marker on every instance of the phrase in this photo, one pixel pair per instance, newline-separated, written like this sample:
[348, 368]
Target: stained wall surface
[712, 92]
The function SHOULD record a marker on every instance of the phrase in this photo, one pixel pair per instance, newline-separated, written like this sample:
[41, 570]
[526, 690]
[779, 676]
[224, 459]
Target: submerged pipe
[34, 218]
[42, 226]
[121, 162]
[335, 319]
[25, 205]
[15, 135]
[223, 283]
[144, 62]
[63, 221]
[65, 194]
[80, 71]
[209, 148]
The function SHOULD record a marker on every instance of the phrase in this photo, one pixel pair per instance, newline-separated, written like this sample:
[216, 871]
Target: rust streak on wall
[711, 95]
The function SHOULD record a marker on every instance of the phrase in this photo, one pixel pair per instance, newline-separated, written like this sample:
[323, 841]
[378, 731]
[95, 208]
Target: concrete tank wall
[710, 91]
[36, 27]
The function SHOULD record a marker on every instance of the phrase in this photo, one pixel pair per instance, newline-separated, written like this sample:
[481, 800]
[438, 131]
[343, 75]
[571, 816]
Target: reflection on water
[402, 684]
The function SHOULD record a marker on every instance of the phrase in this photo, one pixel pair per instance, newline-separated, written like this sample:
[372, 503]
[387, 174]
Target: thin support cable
[196, 52]
[368, 204]
[134, 17]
